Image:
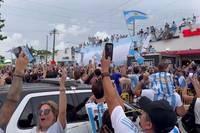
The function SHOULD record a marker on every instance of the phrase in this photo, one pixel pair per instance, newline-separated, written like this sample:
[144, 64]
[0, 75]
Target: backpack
[188, 120]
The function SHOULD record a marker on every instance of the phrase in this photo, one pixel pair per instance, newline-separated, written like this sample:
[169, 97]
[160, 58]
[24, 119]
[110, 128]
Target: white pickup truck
[24, 117]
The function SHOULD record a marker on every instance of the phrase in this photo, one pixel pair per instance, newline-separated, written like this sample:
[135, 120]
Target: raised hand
[21, 64]
[63, 77]
[196, 85]
[105, 63]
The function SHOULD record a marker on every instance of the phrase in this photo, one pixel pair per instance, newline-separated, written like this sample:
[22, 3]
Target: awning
[182, 52]
[188, 33]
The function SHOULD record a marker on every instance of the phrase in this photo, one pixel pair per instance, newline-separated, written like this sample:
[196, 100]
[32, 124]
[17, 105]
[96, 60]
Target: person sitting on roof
[174, 27]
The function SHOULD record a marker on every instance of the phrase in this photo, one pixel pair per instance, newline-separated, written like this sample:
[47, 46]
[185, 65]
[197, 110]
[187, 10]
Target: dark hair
[8, 80]
[162, 66]
[194, 68]
[97, 72]
[106, 122]
[136, 70]
[78, 73]
[97, 89]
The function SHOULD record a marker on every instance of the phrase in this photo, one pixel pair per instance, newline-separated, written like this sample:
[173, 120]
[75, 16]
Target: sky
[30, 21]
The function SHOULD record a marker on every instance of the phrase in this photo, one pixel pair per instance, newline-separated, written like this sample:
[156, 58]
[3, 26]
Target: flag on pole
[137, 55]
[132, 15]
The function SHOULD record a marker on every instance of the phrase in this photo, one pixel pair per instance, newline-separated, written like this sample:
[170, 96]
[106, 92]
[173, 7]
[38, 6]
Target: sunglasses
[45, 112]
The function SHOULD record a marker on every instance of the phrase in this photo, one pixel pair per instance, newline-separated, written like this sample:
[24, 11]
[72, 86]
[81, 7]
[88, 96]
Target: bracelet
[105, 74]
[17, 75]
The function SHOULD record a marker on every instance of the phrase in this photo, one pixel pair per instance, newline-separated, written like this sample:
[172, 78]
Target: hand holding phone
[25, 50]
[109, 51]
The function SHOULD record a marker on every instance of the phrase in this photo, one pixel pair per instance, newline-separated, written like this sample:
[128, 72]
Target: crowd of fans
[97, 41]
[177, 86]
[169, 31]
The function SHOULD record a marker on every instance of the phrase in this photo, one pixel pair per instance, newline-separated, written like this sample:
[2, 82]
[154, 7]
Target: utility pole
[54, 32]
[47, 38]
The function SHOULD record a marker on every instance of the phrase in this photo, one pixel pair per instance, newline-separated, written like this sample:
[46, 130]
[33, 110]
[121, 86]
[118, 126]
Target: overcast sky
[29, 21]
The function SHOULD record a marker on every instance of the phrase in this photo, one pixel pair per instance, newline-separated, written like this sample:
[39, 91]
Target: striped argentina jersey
[95, 110]
[162, 83]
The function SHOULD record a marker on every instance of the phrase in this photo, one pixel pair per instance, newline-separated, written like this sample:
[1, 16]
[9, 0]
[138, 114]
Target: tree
[40, 53]
[2, 37]
[2, 58]
[43, 53]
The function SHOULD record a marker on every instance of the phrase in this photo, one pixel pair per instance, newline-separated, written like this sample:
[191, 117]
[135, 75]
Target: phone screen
[190, 75]
[17, 51]
[109, 50]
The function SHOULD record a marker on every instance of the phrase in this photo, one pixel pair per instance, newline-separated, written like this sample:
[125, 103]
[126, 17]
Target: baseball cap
[162, 115]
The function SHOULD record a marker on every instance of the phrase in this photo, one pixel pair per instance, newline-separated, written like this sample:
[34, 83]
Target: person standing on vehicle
[14, 92]
[51, 119]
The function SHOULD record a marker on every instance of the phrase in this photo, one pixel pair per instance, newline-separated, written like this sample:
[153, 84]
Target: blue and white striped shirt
[162, 83]
[94, 110]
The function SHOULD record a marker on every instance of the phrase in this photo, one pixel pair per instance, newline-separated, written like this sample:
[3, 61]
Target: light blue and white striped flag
[132, 15]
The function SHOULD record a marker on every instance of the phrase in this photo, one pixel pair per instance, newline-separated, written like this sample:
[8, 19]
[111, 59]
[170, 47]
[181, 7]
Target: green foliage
[2, 66]
[2, 37]
[40, 53]
[2, 58]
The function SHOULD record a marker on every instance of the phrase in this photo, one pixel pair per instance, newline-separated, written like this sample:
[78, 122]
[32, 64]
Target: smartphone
[190, 75]
[26, 51]
[109, 50]
[16, 51]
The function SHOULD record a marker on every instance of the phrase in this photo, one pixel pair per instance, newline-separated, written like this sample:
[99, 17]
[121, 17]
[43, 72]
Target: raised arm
[62, 100]
[14, 92]
[196, 85]
[111, 96]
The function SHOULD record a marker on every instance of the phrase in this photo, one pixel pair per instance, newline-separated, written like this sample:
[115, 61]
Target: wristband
[17, 75]
[105, 74]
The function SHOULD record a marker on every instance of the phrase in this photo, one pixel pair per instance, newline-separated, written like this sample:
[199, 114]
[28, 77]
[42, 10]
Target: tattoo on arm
[10, 103]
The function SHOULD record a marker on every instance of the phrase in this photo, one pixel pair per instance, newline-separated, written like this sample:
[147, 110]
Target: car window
[2, 99]
[75, 109]
[28, 118]
[1, 103]
[76, 112]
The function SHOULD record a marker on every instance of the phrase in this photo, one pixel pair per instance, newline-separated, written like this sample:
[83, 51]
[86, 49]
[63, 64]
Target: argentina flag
[132, 15]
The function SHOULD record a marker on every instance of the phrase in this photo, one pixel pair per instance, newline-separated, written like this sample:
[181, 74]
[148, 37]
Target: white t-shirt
[151, 93]
[197, 111]
[55, 128]
[1, 131]
[121, 123]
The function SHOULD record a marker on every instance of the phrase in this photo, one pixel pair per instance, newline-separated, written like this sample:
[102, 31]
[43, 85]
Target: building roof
[182, 52]
[178, 44]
